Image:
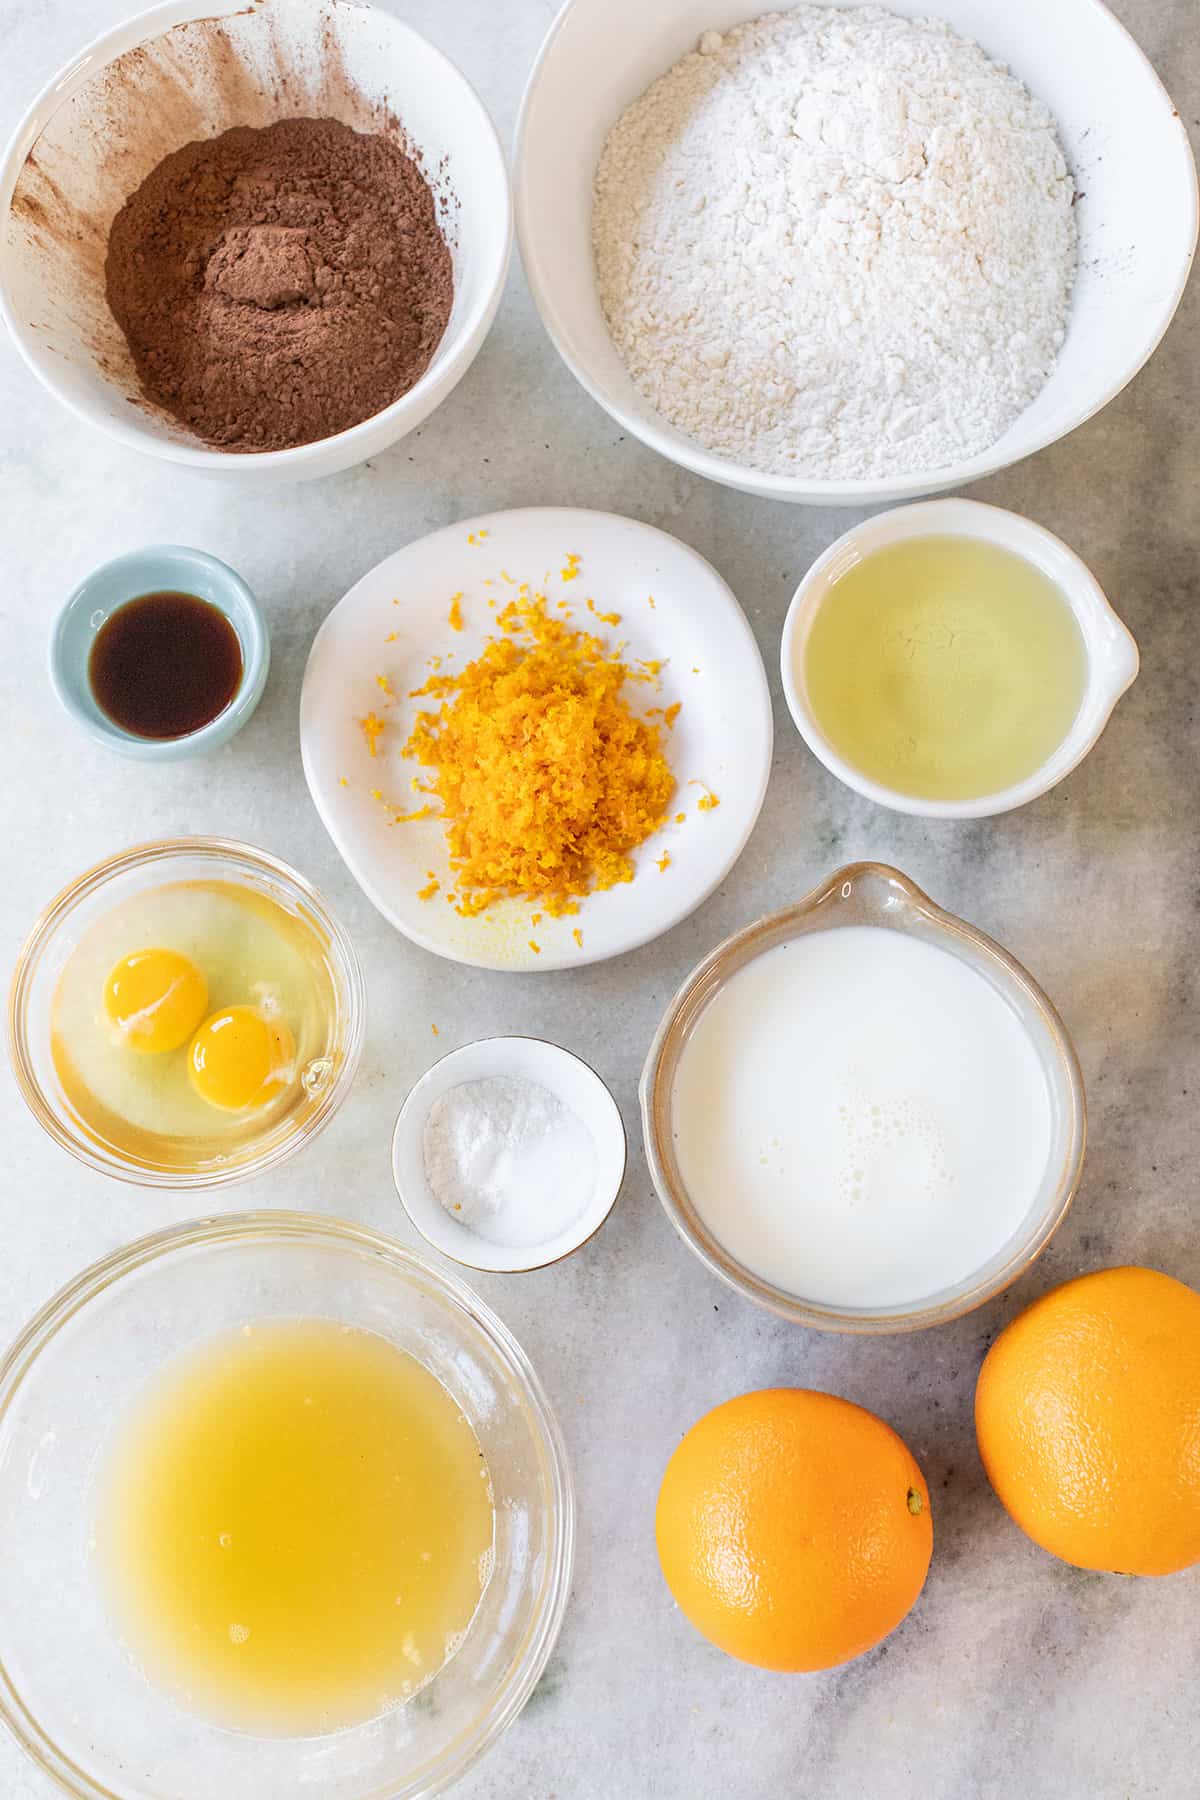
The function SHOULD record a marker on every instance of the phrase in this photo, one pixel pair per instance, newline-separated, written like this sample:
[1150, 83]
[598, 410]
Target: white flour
[837, 243]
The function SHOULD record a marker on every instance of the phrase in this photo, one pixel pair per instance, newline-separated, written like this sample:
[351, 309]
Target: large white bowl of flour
[712, 271]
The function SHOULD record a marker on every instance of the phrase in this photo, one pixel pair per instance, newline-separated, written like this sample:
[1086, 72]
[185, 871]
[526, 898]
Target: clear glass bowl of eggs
[187, 1014]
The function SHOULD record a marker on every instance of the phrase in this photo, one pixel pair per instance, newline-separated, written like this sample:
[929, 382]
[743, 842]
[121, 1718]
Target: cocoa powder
[279, 285]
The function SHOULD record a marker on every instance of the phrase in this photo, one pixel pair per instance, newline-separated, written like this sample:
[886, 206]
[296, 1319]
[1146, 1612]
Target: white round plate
[395, 620]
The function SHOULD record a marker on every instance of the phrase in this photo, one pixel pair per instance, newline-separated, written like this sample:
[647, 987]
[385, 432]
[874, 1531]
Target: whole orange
[1087, 1413]
[793, 1528]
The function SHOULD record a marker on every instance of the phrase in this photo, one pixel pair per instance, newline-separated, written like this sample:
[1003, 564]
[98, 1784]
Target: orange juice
[294, 1527]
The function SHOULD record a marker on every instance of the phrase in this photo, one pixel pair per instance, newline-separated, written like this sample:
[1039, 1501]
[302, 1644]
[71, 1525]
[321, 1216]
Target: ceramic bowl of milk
[861, 1112]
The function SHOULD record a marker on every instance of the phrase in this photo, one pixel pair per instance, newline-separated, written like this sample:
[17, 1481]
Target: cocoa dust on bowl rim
[208, 69]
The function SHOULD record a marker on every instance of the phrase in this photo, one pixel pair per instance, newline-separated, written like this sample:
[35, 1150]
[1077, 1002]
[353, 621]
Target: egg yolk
[156, 999]
[241, 1058]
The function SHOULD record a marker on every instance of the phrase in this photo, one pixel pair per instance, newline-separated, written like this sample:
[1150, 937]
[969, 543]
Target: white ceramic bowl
[572, 1082]
[1125, 141]
[1112, 655]
[171, 67]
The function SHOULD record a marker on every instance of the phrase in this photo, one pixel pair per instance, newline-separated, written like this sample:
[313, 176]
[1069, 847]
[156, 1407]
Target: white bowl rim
[412, 1116]
[20, 1356]
[83, 67]
[953, 516]
[805, 489]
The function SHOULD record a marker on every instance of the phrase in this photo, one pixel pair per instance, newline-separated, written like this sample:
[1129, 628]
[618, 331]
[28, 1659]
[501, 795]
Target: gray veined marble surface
[1015, 1674]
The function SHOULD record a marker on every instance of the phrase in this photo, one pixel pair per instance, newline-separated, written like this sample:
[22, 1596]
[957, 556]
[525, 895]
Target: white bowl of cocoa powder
[261, 241]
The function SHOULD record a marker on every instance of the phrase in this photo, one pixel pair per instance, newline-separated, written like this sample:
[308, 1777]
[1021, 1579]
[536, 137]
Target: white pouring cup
[1111, 654]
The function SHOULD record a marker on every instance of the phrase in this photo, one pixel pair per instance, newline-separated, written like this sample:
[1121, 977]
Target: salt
[508, 1160]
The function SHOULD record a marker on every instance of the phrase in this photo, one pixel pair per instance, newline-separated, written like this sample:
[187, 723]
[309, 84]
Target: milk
[860, 1118]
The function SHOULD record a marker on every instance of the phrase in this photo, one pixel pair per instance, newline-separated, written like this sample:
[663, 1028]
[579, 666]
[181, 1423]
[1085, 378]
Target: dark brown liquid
[165, 664]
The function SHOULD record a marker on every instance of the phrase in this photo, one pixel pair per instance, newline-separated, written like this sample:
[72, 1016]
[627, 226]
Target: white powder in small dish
[837, 243]
[508, 1160]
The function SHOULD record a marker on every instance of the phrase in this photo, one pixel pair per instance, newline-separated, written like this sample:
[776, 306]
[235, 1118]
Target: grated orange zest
[372, 729]
[547, 780]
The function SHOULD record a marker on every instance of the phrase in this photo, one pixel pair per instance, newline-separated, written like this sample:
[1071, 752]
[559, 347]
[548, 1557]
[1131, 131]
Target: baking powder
[507, 1159]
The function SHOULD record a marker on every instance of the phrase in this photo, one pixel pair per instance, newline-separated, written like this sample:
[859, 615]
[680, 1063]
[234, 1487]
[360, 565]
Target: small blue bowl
[160, 568]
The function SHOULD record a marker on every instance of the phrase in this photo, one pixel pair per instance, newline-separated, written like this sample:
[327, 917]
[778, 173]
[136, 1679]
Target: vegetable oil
[945, 668]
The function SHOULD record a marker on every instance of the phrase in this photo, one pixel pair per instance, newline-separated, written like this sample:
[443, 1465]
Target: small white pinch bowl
[1110, 651]
[1124, 140]
[572, 1082]
[191, 69]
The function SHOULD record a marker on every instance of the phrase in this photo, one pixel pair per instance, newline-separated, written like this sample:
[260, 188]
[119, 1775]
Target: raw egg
[156, 999]
[240, 1059]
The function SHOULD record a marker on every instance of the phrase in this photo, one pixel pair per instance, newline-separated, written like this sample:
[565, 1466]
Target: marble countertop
[1015, 1673]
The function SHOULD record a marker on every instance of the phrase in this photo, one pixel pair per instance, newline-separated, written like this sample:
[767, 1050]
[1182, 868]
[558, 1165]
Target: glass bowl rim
[285, 1226]
[711, 973]
[41, 934]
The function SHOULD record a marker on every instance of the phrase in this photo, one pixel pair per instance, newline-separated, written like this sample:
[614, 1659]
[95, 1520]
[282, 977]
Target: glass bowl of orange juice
[186, 1014]
[246, 1467]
